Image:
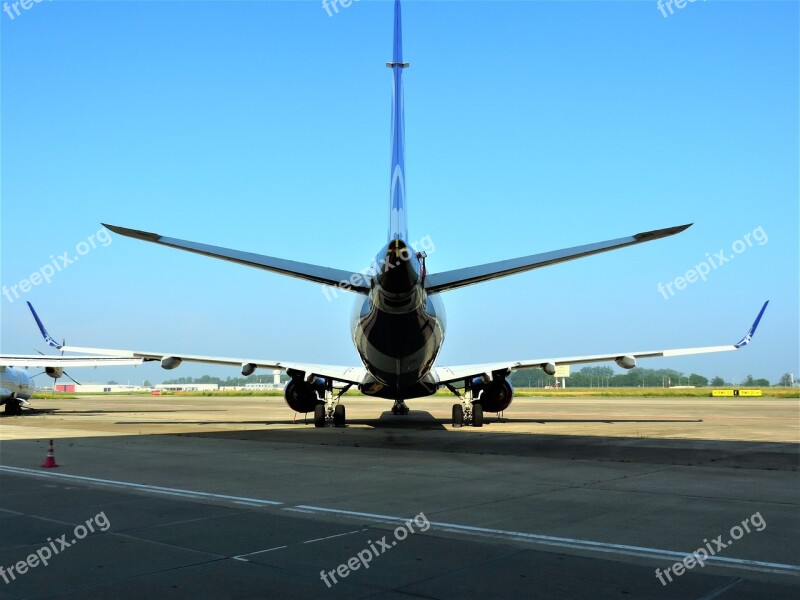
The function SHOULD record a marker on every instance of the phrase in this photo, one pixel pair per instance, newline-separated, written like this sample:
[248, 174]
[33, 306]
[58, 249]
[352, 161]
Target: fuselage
[14, 383]
[398, 328]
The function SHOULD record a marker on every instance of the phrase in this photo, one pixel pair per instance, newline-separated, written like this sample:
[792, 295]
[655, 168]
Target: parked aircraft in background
[16, 389]
[16, 385]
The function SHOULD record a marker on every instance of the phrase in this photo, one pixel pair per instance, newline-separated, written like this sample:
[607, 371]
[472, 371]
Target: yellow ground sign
[724, 393]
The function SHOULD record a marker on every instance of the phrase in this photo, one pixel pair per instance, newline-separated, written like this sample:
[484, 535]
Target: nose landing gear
[399, 408]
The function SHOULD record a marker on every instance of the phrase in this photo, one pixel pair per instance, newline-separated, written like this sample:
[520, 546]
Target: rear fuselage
[398, 329]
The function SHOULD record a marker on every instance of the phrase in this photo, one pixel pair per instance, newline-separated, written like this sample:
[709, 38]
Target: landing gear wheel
[319, 415]
[13, 407]
[338, 416]
[477, 415]
[458, 415]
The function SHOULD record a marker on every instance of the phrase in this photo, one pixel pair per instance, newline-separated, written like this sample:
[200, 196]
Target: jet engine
[302, 396]
[494, 396]
[626, 362]
[170, 362]
[54, 372]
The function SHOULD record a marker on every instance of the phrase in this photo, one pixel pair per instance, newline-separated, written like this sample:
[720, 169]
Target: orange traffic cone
[50, 461]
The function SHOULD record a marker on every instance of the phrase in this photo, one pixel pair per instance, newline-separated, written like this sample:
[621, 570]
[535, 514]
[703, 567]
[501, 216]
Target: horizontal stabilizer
[450, 280]
[334, 277]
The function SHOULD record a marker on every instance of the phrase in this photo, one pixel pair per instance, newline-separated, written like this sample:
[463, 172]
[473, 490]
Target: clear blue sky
[530, 126]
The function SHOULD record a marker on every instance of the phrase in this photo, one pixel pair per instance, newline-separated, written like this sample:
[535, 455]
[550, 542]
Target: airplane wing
[626, 360]
[352, 375]
[44, 361]
[450, 280]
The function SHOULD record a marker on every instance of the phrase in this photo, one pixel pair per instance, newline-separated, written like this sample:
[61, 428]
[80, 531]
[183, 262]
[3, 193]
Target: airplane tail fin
[398, 220]
[47, 337]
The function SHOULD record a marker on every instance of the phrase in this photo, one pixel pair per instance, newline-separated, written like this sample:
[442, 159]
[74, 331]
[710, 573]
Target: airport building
[275, 385]
[187, 387]
[95, 388]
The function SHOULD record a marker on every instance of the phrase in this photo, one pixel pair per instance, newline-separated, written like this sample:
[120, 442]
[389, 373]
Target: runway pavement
[209, 497]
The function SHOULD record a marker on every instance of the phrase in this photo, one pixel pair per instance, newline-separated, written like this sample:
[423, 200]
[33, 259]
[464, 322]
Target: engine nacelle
[626, 362]
[248, 369]
[170, 362]
[302, 396]
[549, 369]
[494, 396]
[54, 372]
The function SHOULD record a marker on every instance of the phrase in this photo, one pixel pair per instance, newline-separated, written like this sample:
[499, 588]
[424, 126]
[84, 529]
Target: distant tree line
[228, 382]
[586, 377]
[636, 377]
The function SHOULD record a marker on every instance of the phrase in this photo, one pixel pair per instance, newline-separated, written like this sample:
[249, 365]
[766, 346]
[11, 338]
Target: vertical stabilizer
[398, 221]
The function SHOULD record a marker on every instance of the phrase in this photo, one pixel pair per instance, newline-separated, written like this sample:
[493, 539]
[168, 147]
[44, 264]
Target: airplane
[398, 322]
[15, 390]
[16, 386]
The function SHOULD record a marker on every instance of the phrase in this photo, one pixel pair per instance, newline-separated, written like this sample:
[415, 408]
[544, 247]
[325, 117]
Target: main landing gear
[13, 407]
[468, 415]
[331, 410]
[469, 412]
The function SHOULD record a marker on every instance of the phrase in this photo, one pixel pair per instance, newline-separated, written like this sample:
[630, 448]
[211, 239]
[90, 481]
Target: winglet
[746, 339]
[661, 233]
[133, 233]
[47, 337]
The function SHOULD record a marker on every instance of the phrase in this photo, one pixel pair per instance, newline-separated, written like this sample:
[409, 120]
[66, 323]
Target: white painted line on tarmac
[242, 558]
[604, 547]
[313, 509]
[155, 489]
[519, 536]
[721, 589]
[297, 510]
[330, 537]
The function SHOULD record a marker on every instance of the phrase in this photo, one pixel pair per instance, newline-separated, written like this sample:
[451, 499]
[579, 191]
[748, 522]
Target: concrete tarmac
[225, 497]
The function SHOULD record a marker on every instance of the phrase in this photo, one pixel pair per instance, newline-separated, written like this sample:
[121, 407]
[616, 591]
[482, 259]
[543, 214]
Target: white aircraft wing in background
[24, 361]
[626, 360]
[347, 375]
